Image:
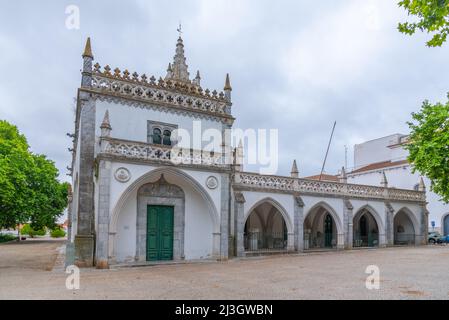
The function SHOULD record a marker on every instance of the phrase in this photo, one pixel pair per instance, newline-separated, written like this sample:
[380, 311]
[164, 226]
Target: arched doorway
[404, 229]
[321, 229]
[365, 229]
[265, 229]
[445, 226]
[197, 235]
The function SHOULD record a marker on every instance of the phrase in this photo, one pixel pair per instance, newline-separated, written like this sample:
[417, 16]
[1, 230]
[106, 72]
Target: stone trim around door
[164, 194]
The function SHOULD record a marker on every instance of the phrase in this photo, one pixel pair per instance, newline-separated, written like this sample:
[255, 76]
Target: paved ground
[406, 273]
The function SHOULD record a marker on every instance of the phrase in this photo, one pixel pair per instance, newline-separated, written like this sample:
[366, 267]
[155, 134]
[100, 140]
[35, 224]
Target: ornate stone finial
[384, 181]
[106, 125]
[239, 157]
[227, 86]
[343, 177]
[88, 49]
[197, 80]
[179, 68]
[294, 173]
[421, 186]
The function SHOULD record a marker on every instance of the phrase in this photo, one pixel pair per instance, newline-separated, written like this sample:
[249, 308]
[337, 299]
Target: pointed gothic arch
[320, 232]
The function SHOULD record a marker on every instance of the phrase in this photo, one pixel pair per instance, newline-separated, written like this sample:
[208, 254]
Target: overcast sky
[295, 65]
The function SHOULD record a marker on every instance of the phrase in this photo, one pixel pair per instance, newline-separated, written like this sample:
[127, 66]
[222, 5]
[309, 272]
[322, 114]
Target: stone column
[424, 225]
[85, 237]
[224, 217]
[239, 201]
[298, 221]
[348, 217]
[389, 224]
[102, 248]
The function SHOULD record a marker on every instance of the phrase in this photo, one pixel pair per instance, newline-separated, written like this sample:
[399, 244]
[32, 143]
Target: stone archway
[405, 228]
[127, 203]
[322, 228]
[367, 228]
[267, 227]
[445, 224]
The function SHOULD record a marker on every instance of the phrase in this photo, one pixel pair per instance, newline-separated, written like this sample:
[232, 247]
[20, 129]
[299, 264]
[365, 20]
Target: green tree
[429, 145]
[30, 190]
[431, 16]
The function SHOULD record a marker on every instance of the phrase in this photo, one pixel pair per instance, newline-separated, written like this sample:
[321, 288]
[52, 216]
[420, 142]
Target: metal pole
[327, 151]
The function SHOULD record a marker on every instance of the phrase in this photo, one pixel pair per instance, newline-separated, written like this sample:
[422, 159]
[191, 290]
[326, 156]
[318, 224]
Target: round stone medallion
[212, 182]
[122, 175]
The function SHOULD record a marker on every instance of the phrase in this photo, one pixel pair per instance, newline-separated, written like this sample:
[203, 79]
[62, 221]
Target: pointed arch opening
[367, 228]
[267, 227]
[322, 228]
[405, 227]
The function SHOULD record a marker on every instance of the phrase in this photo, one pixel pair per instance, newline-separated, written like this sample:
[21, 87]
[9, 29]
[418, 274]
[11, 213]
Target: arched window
[166, 138]
[157, 136]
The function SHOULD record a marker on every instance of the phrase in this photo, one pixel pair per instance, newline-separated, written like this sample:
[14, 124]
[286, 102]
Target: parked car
[443, 239]
[434, 237]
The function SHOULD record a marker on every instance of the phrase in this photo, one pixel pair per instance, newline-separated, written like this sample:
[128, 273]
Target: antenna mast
[327, 151]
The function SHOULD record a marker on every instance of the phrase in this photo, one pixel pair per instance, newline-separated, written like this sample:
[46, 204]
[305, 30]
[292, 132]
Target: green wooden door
[159, 233]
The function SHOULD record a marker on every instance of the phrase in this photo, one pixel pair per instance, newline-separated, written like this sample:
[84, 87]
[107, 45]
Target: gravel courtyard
[33, 270]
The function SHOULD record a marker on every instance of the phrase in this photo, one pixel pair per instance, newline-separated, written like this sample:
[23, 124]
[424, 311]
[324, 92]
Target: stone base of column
[69, 254]
[84, 251]
[102, 264]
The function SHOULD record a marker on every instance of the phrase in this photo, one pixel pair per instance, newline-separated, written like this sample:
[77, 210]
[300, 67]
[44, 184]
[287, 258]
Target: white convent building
[386, 157]
[141, 195]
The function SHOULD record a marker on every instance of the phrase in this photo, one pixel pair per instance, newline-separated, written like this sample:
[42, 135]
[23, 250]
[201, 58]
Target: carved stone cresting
[147, 151]
[212, 182]
[306, 186]
[122, 174]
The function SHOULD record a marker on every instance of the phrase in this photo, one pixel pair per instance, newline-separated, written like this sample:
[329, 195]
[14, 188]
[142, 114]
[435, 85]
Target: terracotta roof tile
[324, 177]
[379, 165]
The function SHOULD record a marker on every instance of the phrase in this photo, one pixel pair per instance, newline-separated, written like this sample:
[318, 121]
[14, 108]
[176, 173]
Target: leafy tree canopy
[432, 17]
[429, 145]
[30, 190]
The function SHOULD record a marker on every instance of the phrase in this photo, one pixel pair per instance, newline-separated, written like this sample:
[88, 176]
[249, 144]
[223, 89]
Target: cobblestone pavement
[406, 273]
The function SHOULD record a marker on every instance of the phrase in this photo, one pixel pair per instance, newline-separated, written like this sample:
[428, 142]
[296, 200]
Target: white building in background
[387, 156]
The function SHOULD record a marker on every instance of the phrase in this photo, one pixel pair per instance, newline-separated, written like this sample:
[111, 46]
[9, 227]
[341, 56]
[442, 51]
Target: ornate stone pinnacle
[421, 186]
[227, 86]
[294, 172]
[343, 177]
[88, 49]
[384, 181]
[106, 125]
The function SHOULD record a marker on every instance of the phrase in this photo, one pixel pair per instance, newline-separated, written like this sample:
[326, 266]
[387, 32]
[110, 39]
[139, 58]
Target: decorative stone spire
[88, 49]
[294, 173]
[239, 157]
[343, 177]
[384, 181]
[106, 125]
[421, 185]
[179, 68]
[86, 74]
[197, 80]
[227, 88]
[169, 72]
